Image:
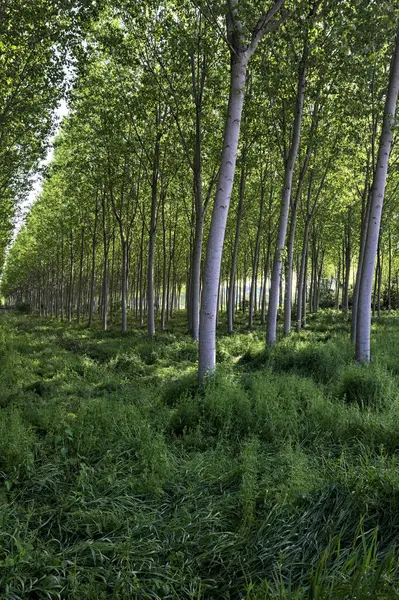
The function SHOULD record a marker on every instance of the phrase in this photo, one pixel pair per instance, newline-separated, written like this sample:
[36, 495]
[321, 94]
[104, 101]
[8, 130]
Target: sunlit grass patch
[121, 477]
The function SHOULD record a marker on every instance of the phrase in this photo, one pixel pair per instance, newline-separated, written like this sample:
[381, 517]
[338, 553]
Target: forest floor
[120, 479]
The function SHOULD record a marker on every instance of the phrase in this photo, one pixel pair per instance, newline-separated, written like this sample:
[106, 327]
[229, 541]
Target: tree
[363, 325]
[240, 54]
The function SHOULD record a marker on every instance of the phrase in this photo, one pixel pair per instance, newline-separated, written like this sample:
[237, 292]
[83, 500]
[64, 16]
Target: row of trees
[37, 40]
[169, 100]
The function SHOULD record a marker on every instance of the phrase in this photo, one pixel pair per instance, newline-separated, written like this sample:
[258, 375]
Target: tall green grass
[120, 478]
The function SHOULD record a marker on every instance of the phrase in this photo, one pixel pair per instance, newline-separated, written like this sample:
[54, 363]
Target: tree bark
[347, 252]
[93, 265]
[377, 197]
[285, 202]
[389, 270]
[302, 276]
[233, 271]
[252, 294]
[207, 338]
[152, 233]
[125, 261]
[366, 206]
[240, 56]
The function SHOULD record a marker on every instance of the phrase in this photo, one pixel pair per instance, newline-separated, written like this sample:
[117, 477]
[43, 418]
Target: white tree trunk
[152, 234]
[233, 271]
[285, 205]
[302, 276]
[240, 54]
[209, 298]
[196, 272]
[289, 270]
[363, 235]
[124, 284]
[377, 197]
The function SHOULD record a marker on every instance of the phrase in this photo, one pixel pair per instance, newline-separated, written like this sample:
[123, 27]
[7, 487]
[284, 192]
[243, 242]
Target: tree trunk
[345, 299]
[233, 271]
[79, 299]
[195, 279]
[93, 266]
[265, 277]
[207, 341]
[289, 270]
[164, 266]
[338, 282]
[62, 277]
[366, 206]
[302, 277]
[252, 294]
[152, 233]
[377, 197]
[125, 261]
[70, 279]
[389, 270]
[238, 72]
[380, 260]
[285, 203]
[304, 291]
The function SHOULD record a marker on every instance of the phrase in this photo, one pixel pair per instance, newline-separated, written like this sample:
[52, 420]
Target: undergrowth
[121, 479]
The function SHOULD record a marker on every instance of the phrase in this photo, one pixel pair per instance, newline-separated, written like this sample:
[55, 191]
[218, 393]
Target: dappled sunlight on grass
[122, 479]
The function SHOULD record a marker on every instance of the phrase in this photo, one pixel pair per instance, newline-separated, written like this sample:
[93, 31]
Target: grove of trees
[141, 212]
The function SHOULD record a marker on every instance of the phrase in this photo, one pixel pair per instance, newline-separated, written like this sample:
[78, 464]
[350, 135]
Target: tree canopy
[127, 227]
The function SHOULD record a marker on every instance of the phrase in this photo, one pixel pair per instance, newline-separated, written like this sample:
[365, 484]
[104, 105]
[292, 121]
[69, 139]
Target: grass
[121, 479]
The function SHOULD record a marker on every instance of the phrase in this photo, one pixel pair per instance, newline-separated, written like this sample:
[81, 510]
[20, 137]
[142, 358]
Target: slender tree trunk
[233, 271]
[366, 207]
[285, 203]
[70, 291]
[106, 242]
[141, 277]
[305, 291]
[302, 277]
[380, 260]
[79, 299]
[238, 74]
[164, 265]
[265, 277]
[389, 270]
[152, 233]
[244, 286]
[313, 260]
[125, 261]
[338, 282]
[319, 276]
[62, 277]
[289, 270]
[252, 295]
[195, 279]
[345, 299]
[93, 265]
[207, 342]
[105, 290]
[377, 197]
